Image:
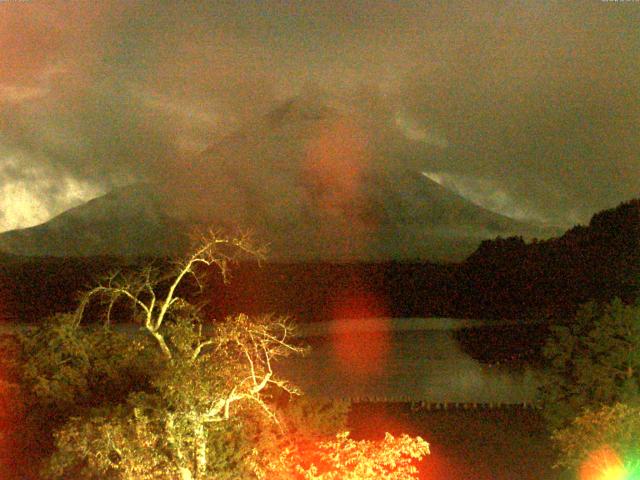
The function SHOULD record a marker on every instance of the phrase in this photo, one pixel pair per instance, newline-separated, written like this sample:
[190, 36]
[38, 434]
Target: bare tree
[142, 287]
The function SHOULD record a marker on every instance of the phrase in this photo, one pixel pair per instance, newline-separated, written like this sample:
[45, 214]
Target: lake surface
[373, 362]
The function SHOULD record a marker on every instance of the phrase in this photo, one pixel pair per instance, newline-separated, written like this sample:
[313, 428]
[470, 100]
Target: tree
[196, 381]
[602, 443]
[593, 361]
[59, 370]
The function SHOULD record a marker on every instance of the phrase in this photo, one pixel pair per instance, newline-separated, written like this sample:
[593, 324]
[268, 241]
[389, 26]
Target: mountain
[422, 220]
[315, 182]
[129, 221]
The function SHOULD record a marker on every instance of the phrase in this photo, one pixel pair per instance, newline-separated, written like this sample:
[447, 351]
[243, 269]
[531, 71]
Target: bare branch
[199, 347]
[141, 287]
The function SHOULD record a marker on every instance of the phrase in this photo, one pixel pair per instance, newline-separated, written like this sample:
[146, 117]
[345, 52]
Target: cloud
[36, 197]
[541, 102]
[419, 133]
[540, 98]
[487, 193]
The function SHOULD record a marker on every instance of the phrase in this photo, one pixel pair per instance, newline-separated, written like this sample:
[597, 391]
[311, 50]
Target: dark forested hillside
[509, 278]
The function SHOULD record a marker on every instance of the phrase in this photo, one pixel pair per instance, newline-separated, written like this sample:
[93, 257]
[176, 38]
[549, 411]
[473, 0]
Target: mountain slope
[599, 261]
[421, 221]
[126, 221]
[314, 182]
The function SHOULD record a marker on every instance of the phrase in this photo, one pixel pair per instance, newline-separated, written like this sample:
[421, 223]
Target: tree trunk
[200, 435]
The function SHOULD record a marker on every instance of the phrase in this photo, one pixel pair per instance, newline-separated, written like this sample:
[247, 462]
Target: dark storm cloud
[535, 100]
[547, 102]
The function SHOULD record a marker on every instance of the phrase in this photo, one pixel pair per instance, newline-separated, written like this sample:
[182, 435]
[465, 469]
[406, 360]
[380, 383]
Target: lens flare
[604, 464]
[335, 159]
[358, 348]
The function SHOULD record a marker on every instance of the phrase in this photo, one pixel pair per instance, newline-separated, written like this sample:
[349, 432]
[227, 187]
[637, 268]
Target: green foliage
[118, 442]
[201, 405]
[170, 390]
[610, 431]
[189, 419]
[59, 370]
[233, 452]
[312, 418]
[143, 439]
[593, 361]
[66, 367]
[302, 423]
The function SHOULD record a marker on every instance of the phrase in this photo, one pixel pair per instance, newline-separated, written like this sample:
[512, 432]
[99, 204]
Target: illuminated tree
[184, 399]
[194, 397]
[343, 458]
[197, 383]
[602, 443]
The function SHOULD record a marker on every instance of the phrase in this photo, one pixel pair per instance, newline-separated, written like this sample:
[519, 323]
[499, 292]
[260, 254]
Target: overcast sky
[529, 108]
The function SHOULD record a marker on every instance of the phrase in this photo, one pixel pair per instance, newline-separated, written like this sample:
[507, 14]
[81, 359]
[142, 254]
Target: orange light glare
[603, 464]
[360, 351]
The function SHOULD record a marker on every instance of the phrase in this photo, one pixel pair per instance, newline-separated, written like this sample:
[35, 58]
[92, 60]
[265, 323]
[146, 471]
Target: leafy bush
[176, 401]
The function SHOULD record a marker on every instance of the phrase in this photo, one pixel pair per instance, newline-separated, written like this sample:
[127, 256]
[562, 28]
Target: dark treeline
[550, 279]
[505, 278]
[34, 287]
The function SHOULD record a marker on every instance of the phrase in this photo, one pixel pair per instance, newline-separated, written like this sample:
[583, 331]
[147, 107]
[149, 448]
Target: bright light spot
[615, 473]
[603, 464]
